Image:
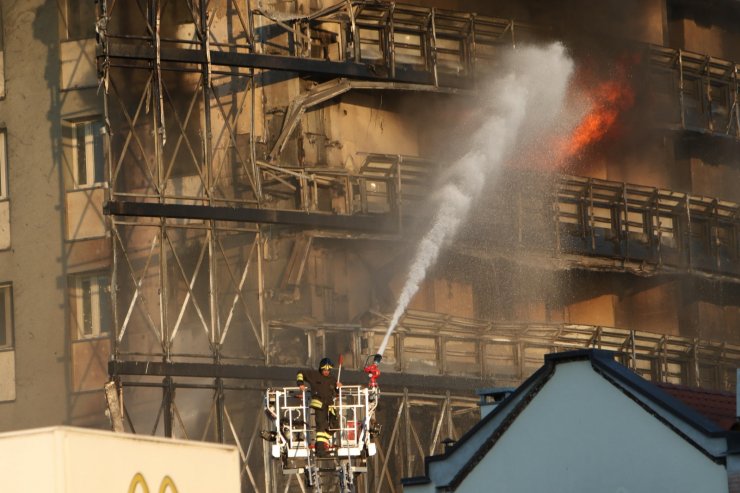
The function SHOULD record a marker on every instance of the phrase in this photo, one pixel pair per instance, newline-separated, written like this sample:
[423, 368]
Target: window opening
[88, 153]
[6, 316]
[3, 165]
[81, 19]
[93, 306]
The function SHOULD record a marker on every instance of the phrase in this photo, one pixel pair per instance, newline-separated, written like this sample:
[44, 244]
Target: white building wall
[77, 460]
[581, 434]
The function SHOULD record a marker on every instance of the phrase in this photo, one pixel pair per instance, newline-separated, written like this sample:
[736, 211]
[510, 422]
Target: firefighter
[323, 390]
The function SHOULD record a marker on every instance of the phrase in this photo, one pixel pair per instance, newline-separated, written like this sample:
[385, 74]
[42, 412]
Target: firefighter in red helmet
[323, 389]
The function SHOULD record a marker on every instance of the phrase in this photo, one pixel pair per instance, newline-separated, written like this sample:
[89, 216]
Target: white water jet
[529, 95]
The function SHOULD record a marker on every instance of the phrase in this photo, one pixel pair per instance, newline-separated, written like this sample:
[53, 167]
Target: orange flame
[607, 100]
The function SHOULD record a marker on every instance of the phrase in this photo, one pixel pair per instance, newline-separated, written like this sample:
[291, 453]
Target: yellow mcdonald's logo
[166, 486]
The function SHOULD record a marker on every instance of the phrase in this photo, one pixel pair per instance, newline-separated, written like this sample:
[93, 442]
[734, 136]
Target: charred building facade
[198, 198]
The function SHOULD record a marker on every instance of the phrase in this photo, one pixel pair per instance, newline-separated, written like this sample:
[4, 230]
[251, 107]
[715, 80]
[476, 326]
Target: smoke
[529, 93]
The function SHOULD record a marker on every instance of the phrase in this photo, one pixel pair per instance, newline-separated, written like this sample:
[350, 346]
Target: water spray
[534, 81]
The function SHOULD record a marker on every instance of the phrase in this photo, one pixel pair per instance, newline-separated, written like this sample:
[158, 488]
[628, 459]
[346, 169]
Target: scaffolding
[202, 182]
[657, 229]
[198, 179]
[509, 353]
[696, 92]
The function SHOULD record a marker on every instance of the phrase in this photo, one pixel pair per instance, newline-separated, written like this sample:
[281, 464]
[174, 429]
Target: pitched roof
[716, 405]
[698, 429]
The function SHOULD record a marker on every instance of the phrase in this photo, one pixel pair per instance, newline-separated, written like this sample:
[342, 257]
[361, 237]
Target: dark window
[6, 316]
[80, 19]
[177, 12]
[3, 165]
[1, 32]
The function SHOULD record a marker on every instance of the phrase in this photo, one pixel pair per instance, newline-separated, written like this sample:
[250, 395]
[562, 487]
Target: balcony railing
[696, 92]
[507, 353]
[661, 228]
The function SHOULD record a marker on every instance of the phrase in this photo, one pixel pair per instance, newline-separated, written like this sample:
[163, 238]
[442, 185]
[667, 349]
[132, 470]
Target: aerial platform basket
[351, 422]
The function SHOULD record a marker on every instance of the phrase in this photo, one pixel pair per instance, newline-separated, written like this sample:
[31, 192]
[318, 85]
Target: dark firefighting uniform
[323, 390]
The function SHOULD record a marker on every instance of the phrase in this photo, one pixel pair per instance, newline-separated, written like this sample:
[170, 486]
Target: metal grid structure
[696, 92]
[196, 174]
[415, 422]
[509, 353]
[661, 229]
[201, 177]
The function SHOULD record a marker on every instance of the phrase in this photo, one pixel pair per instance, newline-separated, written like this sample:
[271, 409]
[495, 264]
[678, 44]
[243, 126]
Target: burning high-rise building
[198, 198]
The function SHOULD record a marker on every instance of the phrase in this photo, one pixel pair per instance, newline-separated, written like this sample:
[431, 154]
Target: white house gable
[577, 423]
